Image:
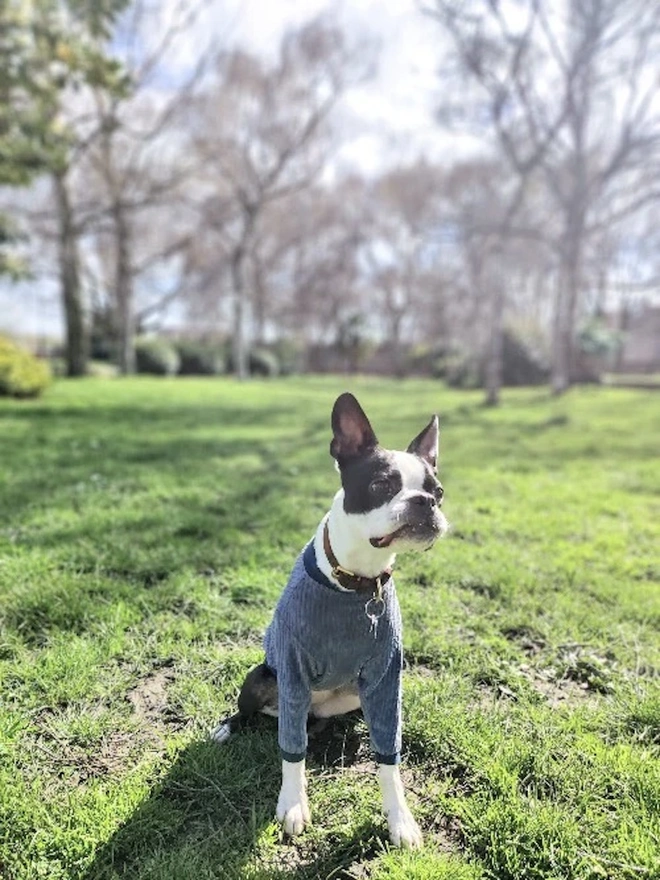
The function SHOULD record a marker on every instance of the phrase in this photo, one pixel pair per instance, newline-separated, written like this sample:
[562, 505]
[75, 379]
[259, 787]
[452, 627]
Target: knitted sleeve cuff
[388, 759]
[293, 757]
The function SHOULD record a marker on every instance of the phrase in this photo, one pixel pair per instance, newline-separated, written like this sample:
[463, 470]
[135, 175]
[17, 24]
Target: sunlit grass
[146, 530]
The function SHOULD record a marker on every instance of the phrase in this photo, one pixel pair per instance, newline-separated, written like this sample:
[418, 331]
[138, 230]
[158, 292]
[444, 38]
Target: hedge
[21, 373]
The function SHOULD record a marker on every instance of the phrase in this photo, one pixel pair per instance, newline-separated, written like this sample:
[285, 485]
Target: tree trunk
[566, 309]
[259, 306]
[563, 337]
[77, 330]
[495, 347]
[560, 356]
[623, 324]
[575, 214]
[238, 259]
[124, 292]
[559, 361]
[396, 319]
[239, 349]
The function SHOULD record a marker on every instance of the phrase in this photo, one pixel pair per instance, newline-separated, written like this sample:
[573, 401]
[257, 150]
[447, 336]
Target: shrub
[103, 336]
[443, 360]
[460, 370]
[102, 370]
[523, 360]
[523, 363]
[418, 358]
[596, 338]
[21, 373]
[291, 356]
[156, 357]
[263, 362]
[200, 358]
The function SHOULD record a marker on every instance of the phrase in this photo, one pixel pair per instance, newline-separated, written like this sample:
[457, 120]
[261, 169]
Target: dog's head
[393, 497]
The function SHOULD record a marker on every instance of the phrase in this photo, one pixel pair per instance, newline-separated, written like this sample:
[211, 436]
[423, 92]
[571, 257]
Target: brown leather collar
[348, 579]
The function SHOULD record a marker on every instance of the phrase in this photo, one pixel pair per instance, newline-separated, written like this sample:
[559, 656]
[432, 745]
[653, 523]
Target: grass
[146, 529]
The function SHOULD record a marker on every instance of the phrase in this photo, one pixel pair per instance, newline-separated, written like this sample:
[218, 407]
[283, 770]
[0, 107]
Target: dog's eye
[379, 485]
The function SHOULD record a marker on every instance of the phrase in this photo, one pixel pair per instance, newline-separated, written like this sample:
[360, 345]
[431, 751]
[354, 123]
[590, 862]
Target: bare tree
[568, 94]
[401, 230]
[136, 167]
[320, 269]
[264, 130]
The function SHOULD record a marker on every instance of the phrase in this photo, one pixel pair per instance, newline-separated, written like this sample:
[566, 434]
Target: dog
[334, 644]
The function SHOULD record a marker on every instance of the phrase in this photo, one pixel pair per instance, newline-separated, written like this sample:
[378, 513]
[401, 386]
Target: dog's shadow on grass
[212, 814]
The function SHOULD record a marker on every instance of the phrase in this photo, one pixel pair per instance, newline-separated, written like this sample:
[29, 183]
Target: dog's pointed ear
[425, 444]
[353, 435]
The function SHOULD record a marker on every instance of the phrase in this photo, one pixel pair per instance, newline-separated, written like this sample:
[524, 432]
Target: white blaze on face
[390, 516]
[412, 472]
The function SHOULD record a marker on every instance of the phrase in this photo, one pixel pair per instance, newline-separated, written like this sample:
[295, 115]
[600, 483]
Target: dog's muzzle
[421, 526]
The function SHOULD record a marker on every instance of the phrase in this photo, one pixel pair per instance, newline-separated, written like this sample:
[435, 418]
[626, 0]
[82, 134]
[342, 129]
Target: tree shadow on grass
[211, 816]
[67, 446]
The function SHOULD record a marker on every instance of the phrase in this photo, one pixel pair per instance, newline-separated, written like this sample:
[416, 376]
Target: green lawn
[146, 529]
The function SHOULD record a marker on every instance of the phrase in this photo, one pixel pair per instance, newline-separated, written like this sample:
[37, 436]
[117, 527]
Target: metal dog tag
[374, 609]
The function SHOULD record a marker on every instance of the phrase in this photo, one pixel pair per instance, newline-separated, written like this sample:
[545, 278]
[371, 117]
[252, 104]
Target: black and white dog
[334, 644]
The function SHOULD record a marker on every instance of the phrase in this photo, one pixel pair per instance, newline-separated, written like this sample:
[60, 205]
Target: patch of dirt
[365, 766]
[587, 668]
[149, 698]
[527, 638]
[75, 764]
[571, 673]
[446, 832]
[490, 694]
[320, 853]
[111, 757]
[557, 692]
[290, 855]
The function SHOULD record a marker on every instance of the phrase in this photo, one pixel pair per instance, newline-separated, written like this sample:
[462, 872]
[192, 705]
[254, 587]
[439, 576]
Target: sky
[390, 115]
[386, 121]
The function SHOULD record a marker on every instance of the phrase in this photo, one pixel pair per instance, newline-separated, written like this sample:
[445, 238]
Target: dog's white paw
[404, 831]
[293, 813]
[221, 733]
[292, 807]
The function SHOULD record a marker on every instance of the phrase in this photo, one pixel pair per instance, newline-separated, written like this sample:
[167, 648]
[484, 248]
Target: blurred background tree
[50, 50]
[568, 97]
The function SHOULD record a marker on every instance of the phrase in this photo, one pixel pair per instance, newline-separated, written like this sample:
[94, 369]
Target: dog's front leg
[404, 831]
[292, 806]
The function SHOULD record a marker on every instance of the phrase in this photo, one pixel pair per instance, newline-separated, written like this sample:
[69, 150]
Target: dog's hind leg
[225, 728]
[258, 694]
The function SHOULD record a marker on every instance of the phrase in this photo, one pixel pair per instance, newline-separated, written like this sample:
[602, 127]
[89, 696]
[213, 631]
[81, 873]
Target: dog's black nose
[423, 499]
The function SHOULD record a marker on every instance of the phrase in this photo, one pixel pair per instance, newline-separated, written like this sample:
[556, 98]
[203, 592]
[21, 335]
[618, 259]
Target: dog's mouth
[419, 533]
[386, 540]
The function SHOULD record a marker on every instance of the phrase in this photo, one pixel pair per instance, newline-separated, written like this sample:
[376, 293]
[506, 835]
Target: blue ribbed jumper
[321, 638]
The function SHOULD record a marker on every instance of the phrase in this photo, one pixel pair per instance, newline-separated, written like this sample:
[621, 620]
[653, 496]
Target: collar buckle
[339, 569]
